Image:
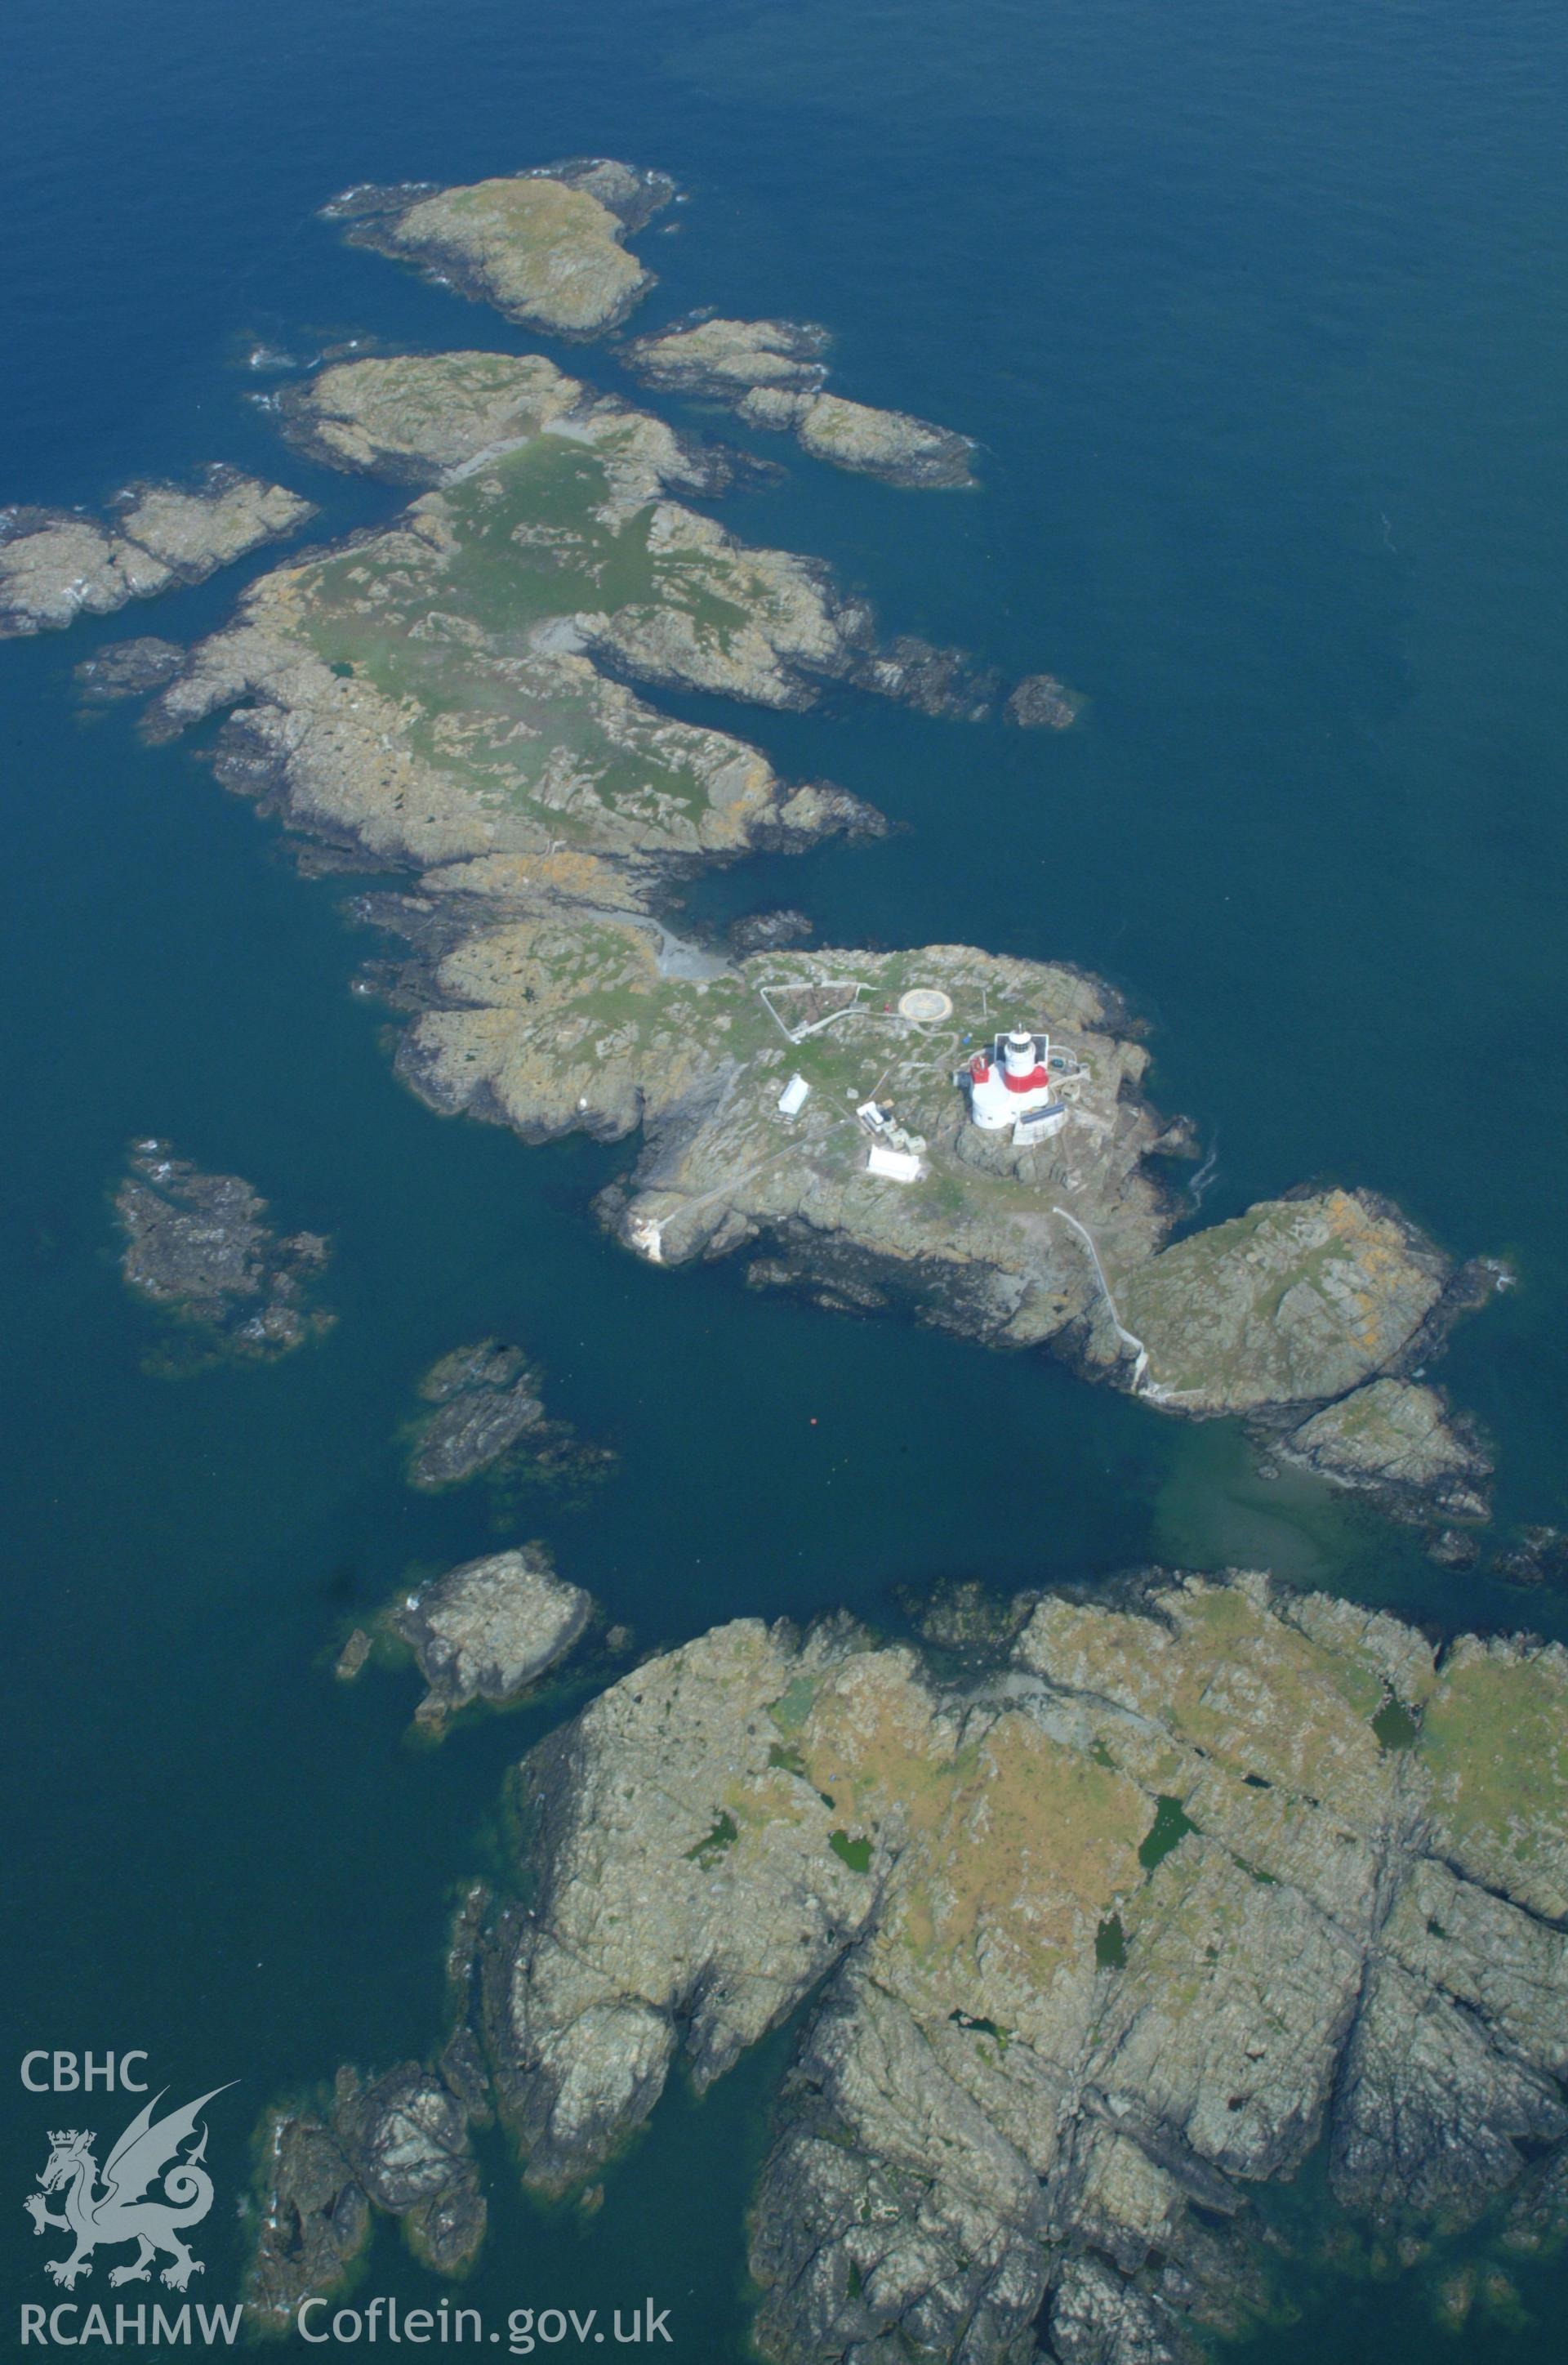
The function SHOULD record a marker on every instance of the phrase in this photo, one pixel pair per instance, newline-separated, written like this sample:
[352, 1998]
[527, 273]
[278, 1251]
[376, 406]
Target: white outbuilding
[893, 1165]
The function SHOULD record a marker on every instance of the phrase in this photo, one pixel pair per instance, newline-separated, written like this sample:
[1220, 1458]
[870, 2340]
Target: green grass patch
[793, 1706]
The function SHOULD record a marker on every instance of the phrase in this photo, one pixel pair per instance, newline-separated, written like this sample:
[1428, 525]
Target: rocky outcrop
[56, 565]
[723, 359]
[1298, 1299]
[197, 1245]
[421, 419]
[890, 445]
[1296, 1303]
[772, 373]
[1398, 1440]
[1183, 1887]
[451, 689]
[490, 1629]
[546, 247]
[406, 2136]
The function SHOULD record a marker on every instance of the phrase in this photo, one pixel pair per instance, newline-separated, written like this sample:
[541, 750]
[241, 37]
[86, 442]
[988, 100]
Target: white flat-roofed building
[894, 1165]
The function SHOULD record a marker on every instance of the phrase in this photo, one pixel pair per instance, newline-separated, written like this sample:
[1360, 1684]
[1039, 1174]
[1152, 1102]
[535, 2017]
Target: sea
[1258, 314]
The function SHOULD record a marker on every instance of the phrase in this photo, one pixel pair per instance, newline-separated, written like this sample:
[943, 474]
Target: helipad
[925, 1004]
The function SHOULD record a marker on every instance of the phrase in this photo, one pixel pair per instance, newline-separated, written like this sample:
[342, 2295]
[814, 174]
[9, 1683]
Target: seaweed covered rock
[397, 2143]
[484, 1399]
[314, 2218]
[198, 1246]
[129, 669]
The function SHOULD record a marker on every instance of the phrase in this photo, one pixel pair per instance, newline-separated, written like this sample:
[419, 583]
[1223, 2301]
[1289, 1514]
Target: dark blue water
[1259, 316]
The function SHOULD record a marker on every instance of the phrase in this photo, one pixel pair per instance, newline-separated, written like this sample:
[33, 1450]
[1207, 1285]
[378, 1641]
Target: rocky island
[452, 694]
[1104, 1933]
[1111, 1911]
[198, 1246]
[56, 565]
[545, 247]
[490, 1629]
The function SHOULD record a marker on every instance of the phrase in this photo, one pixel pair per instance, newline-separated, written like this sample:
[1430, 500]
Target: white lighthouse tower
[1011, 1088]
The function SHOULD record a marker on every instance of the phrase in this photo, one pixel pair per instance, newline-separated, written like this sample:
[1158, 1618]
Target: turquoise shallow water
[1259, 317]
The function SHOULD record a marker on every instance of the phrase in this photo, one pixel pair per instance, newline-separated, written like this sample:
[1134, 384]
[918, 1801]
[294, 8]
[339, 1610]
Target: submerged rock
[767, 932]
[490, 1629]
[545, 247]
[1398, 1440]
[351, 1659]
[1537, 1555]
[198, 1245]
[129, 670]
[56, 565]
[1041, 702]
[1108, 1936]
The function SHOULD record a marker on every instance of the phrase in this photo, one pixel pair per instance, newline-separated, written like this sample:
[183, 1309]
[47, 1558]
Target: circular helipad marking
[924, 1004]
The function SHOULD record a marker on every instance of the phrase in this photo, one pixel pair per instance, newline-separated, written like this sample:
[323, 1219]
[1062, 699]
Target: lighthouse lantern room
[1011, 1088]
